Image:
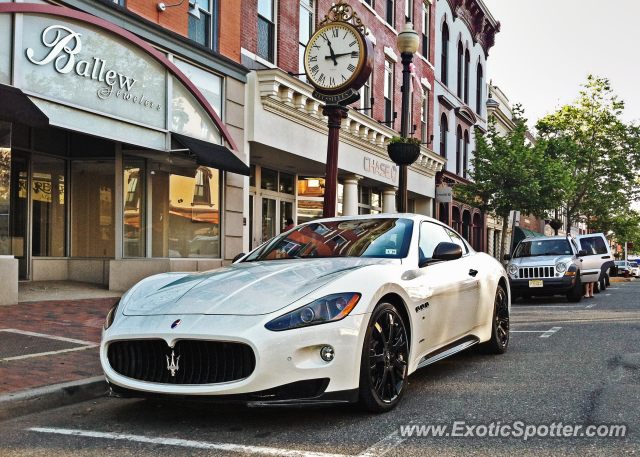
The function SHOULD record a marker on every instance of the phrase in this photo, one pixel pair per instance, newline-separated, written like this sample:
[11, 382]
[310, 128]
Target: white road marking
[550, 332]
[383, 446]
[40, 354]
[591, 305]
[187, 443]
[85, 344]
[613, 288]
[606, 295]
[51, 337]
[529, 331]
[546, 306]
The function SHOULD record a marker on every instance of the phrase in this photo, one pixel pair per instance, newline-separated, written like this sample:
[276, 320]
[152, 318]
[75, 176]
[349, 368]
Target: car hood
[247, 288]
[544, 260]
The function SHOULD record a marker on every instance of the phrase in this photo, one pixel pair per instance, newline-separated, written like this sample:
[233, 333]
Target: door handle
[473, 273]
[606, 257]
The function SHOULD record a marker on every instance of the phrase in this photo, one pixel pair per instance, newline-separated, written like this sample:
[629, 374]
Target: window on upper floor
[388, 92]
[479, 83]
[305, 32]
[444, 63]
[365, 100]
[390, 12]
[205, 29]
[424, 116]
[444, 128]
[460, 69]
[266, 30]
[426, 26]
[467, 61]
[459, 151]
[465, 160]
[408, 10]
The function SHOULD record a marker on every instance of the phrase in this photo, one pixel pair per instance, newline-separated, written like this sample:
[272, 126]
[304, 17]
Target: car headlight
[331, 308]
[111, 315]
[513, 269]
[561, 267]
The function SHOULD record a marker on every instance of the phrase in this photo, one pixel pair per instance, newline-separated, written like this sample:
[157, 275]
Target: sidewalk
[51, 341]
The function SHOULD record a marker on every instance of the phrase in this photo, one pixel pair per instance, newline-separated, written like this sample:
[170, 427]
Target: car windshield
[544, 247]
[386, 238]
[633, 264]
[620, 263]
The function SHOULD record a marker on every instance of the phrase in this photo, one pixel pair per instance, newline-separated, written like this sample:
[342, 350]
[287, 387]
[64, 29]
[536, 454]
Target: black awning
[213, 155]
[16, 107]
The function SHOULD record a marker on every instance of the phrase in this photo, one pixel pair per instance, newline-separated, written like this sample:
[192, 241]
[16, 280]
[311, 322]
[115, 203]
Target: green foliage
[509, 173]
[600, 152]
[399, 139]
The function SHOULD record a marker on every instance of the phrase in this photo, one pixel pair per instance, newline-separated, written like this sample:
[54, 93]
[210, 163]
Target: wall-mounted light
[194, 9]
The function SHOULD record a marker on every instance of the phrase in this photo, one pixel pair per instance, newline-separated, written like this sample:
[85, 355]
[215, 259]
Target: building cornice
[476, 16]
[292, 99]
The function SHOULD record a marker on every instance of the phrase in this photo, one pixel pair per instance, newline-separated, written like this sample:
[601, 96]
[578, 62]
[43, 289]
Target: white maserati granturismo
[332, 311]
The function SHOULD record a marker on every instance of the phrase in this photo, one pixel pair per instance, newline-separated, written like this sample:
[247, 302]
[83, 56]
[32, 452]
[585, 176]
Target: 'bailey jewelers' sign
[91, 68]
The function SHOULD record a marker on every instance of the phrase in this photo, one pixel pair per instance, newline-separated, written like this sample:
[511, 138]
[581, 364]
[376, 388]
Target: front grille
[200, 362]
[536, 272]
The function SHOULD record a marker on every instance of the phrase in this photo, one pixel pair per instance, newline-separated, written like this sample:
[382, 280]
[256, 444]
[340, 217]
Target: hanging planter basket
[555, 224]
[404, 153]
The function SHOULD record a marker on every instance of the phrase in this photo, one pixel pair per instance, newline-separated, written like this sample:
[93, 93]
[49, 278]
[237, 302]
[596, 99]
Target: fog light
[327, 353]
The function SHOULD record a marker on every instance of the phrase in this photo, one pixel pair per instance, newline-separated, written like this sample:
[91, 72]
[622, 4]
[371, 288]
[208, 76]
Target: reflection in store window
[134, 208]
[186, 212]
[310, 187]
[5, 187]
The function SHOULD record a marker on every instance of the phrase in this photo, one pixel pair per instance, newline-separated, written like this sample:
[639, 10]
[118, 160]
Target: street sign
[444, 194]
[630, 245]
[514, 218]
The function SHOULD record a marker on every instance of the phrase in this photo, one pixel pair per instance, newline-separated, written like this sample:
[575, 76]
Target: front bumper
[550, 286]
[282, 358]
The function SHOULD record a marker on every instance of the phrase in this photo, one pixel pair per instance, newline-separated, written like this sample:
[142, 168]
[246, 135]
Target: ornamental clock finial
[343, 12]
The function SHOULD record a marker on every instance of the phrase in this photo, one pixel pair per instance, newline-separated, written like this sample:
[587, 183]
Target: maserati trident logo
[173, 364]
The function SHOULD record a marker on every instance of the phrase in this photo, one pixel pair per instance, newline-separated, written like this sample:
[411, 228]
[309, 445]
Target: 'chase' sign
[444, 194]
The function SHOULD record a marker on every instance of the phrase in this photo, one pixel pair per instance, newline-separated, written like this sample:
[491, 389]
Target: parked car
[623, 266]
[559, 265]
[334, 311]
[635, 268]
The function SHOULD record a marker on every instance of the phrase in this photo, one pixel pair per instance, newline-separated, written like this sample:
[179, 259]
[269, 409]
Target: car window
[431, 235]
[594, 245]
[380, 237]
[545, 247]
[457, 239]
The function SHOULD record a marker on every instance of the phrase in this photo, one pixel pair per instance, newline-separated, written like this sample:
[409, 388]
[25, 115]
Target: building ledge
[292, 98]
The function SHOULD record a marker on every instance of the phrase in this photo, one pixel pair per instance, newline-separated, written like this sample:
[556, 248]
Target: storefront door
[19, 221]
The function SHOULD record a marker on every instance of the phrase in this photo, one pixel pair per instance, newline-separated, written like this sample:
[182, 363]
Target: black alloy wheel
[385, 357]
[597, 287]
[576, 292]
[499, 341]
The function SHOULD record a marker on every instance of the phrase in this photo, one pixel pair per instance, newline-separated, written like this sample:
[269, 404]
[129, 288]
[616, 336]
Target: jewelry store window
[310, 198]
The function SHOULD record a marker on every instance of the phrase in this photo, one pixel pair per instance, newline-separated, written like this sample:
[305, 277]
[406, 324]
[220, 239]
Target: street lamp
[408, 42]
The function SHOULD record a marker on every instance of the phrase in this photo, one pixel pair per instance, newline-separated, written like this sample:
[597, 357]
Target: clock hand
[333, 55]
[338, 55]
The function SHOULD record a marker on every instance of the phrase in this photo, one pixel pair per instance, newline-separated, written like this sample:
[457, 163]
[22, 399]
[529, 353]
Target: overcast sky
[546, 49]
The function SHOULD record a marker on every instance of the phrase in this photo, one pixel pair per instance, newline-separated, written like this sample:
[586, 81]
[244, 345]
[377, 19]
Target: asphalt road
[585, 372]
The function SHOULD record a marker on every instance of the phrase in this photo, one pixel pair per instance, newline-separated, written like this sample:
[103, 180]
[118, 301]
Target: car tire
[603, 282]
[575, 294]
[607, 281]
[597, 287]
[384, 362]
[499, 341]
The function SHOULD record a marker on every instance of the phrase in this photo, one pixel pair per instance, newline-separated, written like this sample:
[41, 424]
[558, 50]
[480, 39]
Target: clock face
[334, 57]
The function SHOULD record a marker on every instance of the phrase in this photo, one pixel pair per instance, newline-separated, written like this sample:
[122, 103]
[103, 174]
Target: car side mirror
[507, 257]
[447, 251]
[582, 253]
[238, 257]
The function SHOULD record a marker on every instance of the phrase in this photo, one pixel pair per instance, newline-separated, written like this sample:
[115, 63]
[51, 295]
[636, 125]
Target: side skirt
[448, 350]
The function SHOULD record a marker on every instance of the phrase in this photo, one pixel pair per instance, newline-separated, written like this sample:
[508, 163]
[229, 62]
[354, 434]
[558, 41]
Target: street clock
[339, 57]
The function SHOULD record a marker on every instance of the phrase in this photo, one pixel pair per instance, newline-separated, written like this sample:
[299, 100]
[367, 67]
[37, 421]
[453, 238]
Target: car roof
[544, 238]
[413, 216]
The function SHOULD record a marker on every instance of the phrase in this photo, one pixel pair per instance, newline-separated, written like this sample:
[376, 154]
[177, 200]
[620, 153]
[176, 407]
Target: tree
[599, 151]
[509, 173]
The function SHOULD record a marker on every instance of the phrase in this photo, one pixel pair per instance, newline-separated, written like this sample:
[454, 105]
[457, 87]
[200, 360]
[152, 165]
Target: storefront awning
[18, 108]
[213, 155]
[521, 233]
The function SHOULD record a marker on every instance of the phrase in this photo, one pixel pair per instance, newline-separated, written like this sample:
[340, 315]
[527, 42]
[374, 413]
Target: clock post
[338, 61]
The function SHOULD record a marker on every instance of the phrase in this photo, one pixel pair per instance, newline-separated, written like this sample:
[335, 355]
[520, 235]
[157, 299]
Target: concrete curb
[28, 401]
